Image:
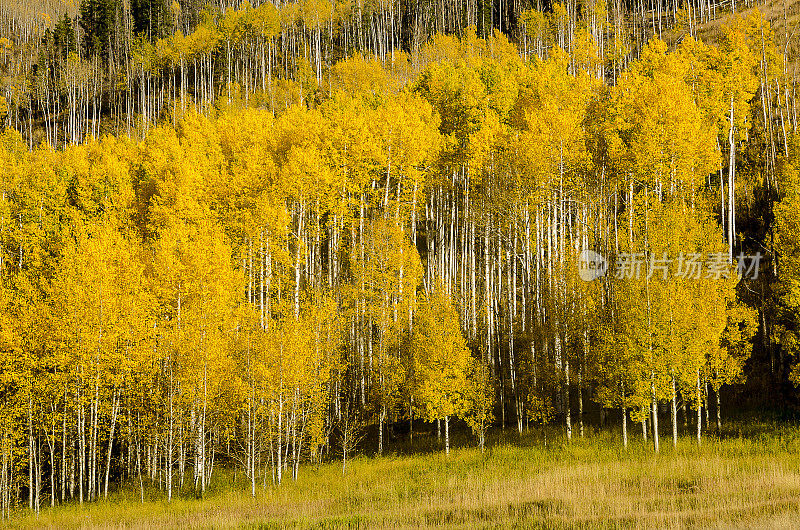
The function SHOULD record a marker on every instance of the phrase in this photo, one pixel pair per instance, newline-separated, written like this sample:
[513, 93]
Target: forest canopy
[253, 233]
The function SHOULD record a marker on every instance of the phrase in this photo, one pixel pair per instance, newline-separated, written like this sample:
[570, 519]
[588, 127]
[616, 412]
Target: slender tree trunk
[114, 410]
[624, 410]
[447, 435]
[655, 412]
[674, 414]
[699, 409]
[567, 409]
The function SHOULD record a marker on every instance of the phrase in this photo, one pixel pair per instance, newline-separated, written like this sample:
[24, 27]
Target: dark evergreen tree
[64, 37]
[97, 19]
[151, 18]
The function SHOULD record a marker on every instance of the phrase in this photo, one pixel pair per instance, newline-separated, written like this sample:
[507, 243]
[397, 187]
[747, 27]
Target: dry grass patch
[591, 483]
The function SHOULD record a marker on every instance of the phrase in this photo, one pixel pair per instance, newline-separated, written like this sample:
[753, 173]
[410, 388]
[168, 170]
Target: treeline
[107, 66]
[261, 289]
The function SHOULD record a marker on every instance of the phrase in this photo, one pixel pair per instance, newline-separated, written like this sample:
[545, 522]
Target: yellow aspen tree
[443, 365]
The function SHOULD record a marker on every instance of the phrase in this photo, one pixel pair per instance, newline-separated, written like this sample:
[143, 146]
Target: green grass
[749, 479]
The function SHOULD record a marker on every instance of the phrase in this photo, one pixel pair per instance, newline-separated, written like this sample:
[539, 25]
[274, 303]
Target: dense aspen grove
[265, 235]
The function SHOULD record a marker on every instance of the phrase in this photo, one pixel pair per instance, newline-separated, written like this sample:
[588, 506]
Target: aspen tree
[442, 362]
[739, 82]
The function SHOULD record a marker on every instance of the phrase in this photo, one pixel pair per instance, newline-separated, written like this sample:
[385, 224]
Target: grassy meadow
[745, 479]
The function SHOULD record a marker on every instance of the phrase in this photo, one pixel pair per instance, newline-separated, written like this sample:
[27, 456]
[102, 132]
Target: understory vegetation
[745, 478]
